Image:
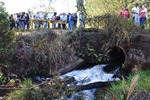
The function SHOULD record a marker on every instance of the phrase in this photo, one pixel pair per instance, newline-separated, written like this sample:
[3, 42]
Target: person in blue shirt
[70, 22]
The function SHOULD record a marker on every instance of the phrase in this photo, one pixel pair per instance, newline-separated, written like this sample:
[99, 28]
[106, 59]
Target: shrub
[6, 36]
[2, 78]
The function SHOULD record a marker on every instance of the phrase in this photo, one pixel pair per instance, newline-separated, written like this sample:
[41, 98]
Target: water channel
[87, 76]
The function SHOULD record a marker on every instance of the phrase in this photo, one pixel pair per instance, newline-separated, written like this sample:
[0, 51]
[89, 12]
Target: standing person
[53, 19]
[37, 17]
[135, 14]
[143, 16]
[22, 20]
[82, 18]
[126, 13]
[17, 21]
[46, 18]
[27, 20]
[70, 23]
[63, 17]
[122, 12]
[75, 19]
[57, 19]
[12, 22]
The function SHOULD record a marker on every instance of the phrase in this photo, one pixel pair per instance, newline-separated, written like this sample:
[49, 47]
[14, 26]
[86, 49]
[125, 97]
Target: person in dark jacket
[27, 20]
[75, 18]
[12, 22]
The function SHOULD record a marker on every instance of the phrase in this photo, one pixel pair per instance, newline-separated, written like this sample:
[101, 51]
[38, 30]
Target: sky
[13, 6]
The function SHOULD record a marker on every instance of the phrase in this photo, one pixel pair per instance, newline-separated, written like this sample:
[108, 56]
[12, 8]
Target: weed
[2, 78]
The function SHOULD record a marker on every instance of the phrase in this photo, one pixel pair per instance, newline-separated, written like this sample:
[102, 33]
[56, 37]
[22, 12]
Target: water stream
[87, 76]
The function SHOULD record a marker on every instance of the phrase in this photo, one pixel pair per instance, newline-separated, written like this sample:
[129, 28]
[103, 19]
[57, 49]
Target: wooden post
[49, 23]
[31, 23]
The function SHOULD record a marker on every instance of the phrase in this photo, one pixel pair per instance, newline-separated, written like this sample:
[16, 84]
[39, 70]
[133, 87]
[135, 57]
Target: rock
[141, 96]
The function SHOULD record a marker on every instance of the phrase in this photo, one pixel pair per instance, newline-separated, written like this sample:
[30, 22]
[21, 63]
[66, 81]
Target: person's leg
[75, 23]
[54, 25]
[137, 20]
[133, 18]
[64, 26]
[59, 26]
[81, 23]
[11, 27]
[22, 25]
[142, 21]
[28, 25]
[72, 24]
[18, 25]
[45, 25]
[69, 25]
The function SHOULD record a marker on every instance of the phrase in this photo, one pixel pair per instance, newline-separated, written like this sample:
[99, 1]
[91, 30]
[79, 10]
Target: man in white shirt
[135, 14]
[63, 17]
[37, 17]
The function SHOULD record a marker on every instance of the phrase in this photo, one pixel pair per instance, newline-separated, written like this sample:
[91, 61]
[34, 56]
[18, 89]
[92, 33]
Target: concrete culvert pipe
[116, 57]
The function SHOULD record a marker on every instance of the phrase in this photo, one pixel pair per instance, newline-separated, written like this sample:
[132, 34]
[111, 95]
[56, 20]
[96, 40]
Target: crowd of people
[71, 19]
[22, 20]
[19, 21]
[139, 14]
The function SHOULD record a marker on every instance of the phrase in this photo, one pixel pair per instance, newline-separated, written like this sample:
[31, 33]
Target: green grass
[2, 78]
[28, 94]
[140, 81]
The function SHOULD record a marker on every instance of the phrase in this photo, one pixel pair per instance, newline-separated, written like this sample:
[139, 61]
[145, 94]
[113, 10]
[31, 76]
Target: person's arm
[133, 11]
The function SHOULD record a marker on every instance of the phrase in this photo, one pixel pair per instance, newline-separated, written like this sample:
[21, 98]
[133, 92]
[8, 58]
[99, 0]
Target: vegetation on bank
[125, 89]
[6, 36]
[120, 90]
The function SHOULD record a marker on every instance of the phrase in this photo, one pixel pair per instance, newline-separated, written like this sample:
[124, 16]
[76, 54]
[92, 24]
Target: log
[90, 86]
[72, 66]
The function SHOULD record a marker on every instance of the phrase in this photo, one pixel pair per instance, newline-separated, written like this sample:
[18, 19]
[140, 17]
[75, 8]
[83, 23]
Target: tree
[6, 36]
[145, 2]
[3, 19]
[80, 7]
[99, 7]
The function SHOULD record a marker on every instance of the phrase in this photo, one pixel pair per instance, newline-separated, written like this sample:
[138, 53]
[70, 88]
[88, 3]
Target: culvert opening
[116, 57]
[116, 54]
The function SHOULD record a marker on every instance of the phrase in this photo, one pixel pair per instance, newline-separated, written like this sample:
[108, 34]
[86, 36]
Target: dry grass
[132, 86]
[42, 52]
[114, 25]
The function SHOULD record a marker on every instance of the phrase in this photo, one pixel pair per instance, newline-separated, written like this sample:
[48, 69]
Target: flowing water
[87, 76]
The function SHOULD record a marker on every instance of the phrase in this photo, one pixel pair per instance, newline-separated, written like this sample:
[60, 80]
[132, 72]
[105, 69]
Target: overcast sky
[13, 6]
